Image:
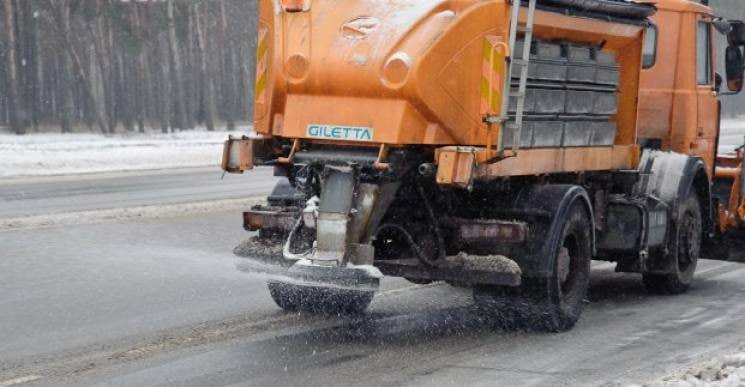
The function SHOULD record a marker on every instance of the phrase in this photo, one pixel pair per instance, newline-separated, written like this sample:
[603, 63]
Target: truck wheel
[319, 299]
[554, 304]
[688, 249]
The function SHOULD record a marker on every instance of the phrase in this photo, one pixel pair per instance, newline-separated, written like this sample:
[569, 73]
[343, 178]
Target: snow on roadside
[724, 371]
[129, 213]
[48, 154]
[732, 135]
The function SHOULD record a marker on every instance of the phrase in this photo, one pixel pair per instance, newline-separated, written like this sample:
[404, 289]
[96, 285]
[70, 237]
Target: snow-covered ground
[126, 213]
[724, 371]
[57, 154]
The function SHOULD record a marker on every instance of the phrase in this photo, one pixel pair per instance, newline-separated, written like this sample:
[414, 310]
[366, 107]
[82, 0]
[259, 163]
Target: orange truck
[493, 144]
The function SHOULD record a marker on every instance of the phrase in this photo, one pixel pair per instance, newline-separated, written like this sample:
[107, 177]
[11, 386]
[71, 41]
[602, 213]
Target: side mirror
[735, 67]
[722, 25]
[736, 35]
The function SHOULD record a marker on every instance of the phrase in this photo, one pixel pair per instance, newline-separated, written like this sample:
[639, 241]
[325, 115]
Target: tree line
[129, 65]
[126, 64]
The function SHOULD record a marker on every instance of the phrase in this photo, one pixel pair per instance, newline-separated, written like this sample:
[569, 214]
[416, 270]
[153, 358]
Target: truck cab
[679, 106]
[680, 92]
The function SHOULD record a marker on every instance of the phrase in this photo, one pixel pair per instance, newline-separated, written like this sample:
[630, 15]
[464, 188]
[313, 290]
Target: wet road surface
[158, 303]
[61, 194]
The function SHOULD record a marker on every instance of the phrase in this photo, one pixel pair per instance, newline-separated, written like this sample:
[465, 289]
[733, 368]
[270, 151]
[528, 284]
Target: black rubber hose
[618, 8]
[434, 223]
[410, 240]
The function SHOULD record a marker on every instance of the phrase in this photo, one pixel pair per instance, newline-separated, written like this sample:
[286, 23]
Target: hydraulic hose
[287, 248]
[434, 223]
[435, 228]
[410, 240]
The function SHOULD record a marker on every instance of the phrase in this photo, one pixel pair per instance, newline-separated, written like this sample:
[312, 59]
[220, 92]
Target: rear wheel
[554, 304]
[687, 248]
[319, 299]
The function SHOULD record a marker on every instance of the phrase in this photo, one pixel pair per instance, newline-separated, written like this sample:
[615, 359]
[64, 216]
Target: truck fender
[555, 202]
[670, 177]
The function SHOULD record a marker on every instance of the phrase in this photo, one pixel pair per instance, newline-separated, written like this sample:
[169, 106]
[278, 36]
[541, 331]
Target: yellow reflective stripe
[487, 49]
[485, 89]
[263, 47]
[495, 101]
[260, 86]
[491, 92]
[261, 68]
[498, 63]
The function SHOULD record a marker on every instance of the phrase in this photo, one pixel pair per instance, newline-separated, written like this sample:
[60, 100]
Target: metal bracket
[289, 159]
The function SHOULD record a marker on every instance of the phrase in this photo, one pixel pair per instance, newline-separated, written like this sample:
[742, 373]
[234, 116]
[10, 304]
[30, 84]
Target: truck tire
[553, 304]
[322, 300]
[687, 247]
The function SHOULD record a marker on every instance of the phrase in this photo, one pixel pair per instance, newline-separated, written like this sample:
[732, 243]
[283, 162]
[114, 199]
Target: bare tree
[208, 86]
[104, 63]
[59, 8]
[177, 67]
[16, 124]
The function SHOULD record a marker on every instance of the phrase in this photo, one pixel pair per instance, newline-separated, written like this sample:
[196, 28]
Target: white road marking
[717, 267]
[21, 380]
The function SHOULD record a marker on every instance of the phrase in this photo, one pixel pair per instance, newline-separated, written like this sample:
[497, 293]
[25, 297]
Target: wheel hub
[689, 242]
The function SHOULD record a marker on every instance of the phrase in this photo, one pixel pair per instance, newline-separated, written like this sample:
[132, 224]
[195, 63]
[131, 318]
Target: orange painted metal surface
[237, 155]
[493, 74]
[680, 110]
[387, 74]
[458, 166]
[558, 160]
[416, 72]
[413, 71]
[730, 168]
[675, 108]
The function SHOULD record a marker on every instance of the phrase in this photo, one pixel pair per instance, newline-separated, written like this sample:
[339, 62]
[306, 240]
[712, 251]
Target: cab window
[703, 54]
[650, 47]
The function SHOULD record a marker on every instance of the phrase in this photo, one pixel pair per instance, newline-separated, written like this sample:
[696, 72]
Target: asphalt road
[158, 303]
[50, 195]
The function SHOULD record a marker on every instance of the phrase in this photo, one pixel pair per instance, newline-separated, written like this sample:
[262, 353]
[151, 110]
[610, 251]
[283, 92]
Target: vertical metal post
[505, 114]
[524, 77]
[524, 63]
[742, 173]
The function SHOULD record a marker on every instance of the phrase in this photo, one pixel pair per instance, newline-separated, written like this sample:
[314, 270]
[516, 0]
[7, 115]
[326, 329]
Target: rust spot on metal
[278, 219]
[483, 230]
[237, 155]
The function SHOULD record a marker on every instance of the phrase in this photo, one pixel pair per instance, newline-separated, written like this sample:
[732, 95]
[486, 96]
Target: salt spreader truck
[493, 144]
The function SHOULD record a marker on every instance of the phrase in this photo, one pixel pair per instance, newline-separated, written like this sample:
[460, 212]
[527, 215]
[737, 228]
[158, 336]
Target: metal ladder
[523, 62]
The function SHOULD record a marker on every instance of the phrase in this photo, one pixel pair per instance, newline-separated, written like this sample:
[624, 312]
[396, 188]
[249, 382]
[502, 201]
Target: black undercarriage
[338, 220]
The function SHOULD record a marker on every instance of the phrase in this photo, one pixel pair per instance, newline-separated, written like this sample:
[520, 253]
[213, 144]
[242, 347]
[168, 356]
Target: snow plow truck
[492, 144]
